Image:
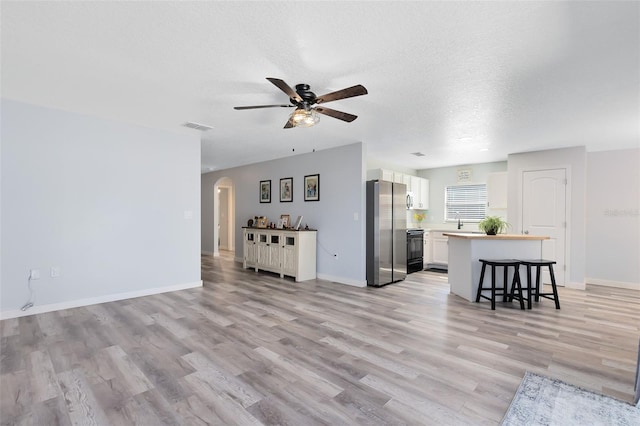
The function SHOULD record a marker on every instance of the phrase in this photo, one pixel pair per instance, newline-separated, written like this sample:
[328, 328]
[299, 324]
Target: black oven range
[415, 250]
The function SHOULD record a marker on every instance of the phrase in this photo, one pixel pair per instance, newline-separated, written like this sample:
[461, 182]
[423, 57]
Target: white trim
[610, 283]
[575, 285]
[340, 280]
[96, 300]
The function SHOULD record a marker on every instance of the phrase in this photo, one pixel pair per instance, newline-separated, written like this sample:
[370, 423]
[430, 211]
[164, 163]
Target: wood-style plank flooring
[252, 348]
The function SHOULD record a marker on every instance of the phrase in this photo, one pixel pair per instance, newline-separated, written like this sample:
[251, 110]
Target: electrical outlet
[34, 274]
[55, 271]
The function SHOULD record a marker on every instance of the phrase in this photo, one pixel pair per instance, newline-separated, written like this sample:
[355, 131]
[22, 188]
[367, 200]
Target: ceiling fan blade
[289, 124]
[349, 92]
[262, 106]
[280, 84]
[336, 114]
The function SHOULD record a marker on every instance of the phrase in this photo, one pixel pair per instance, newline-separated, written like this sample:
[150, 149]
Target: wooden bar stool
[534, 290]
[515, 283]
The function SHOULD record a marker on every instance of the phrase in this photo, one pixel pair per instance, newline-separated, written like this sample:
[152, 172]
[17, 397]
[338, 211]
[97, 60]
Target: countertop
[471, 236]
[278, 229]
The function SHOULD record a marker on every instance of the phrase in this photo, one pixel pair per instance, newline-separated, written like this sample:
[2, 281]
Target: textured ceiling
[461, 82]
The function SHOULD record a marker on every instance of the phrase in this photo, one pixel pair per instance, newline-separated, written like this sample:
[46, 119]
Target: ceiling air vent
[417, 154]
[197, 126]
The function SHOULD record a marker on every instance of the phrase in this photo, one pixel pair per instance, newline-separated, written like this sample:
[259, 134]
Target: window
[465, 202]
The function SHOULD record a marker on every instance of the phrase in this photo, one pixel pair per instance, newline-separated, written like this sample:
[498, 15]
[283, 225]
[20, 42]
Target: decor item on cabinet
[419, 217]
[250, 223]
[286, 190]
[298, 222]
[312, 187]
[493, 225]
[265, 191]
[261, 222]
[286, 220]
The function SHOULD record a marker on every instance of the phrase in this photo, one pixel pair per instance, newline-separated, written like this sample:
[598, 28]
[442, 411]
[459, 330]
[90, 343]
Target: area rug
[541, 400]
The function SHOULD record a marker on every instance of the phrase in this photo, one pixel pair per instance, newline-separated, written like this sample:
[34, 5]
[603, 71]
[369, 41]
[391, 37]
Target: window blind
[465, 202]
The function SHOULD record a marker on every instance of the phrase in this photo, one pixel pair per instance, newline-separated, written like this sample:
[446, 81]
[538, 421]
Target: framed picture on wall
[286, 190]
[265, 191]
[312, 188]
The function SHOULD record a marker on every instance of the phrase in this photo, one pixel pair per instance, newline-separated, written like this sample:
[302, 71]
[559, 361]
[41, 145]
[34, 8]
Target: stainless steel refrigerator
[386, 232]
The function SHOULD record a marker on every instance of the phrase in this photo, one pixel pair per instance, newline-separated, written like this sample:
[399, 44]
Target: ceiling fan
[303, 99]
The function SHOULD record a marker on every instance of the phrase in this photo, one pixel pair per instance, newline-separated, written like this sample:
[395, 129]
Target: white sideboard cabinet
[285, 252]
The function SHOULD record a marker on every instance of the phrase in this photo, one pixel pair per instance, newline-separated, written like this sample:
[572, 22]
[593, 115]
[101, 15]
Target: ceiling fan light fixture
[304, 118]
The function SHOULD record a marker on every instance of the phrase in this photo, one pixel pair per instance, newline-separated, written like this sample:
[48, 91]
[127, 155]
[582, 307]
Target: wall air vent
[417, 154]
[197, 126]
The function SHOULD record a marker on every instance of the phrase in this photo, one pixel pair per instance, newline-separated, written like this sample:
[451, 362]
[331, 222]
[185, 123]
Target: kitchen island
[465, 250]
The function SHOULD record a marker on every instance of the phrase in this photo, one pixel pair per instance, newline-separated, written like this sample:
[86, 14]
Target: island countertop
[478, 236]
[466, 249]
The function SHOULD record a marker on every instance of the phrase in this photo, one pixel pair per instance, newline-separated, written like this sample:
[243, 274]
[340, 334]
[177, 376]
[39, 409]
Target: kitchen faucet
[460, 224]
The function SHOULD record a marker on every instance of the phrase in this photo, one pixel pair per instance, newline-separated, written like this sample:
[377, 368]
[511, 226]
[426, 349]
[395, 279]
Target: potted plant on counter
[493, 225]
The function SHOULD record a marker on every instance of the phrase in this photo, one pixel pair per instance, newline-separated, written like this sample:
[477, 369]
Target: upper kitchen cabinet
[497, 190]
[417, 186]
[420, 190]
[380, 174]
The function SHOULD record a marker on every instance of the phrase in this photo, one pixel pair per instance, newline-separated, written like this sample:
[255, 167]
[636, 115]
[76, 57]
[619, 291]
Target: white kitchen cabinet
[406, 179]
[420, 190]
[417, 186]
[380, 174]
[497, 190]
[285, 252]
[439, 250]
[398, 177]
[426, 255]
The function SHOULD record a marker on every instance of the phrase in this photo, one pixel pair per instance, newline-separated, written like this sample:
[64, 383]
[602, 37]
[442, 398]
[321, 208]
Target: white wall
[103, 201]
[574, 160]
[441, 177]
[342, 195]
[613, 218]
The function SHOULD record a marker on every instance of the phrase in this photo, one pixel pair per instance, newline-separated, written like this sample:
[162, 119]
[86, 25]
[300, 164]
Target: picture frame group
[311, 189]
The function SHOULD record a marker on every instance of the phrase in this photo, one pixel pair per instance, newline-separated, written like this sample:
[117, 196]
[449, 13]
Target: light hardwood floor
[251, 348]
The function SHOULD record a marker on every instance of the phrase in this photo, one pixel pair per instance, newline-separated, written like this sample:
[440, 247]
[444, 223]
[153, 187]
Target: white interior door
[544, 212]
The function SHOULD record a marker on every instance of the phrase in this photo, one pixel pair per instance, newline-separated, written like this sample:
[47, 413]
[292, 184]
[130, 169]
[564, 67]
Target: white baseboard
[340, 280]
[575, 285]
[40, 309]
[326, 277]
[610, 283]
